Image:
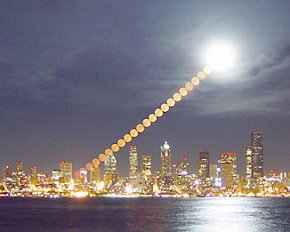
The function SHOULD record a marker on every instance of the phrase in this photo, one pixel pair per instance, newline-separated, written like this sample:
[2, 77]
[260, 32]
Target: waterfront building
[56, 174]
[249, 166]
[166, 160]
[19, 180]
[95, 175]
[228, 163]
[19, 166]
[167, 180]
[110, 165]
[66, 170]
[214, 176]
[33, 178]
[257, 154]
[146, 165]
[213, 173]
[7, 171]
[147, 180]
[111, 177]
[181, 176]
[203, 170]
[255, 160]
[84, 176]
[133, 167]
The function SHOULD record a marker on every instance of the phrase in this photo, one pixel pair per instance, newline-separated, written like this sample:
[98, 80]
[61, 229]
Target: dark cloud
[270, 62]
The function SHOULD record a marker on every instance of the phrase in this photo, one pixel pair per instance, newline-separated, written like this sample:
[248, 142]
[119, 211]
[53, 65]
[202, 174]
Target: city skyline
[74, 77]
[211, 179]
[141, 115]
[251, 166]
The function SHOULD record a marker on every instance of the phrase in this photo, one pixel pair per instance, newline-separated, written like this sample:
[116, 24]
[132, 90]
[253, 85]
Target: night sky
[77, 75]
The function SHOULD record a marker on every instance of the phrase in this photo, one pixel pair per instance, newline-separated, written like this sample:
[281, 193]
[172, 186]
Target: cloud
[270, 62]
[99, 61]
[231, 105]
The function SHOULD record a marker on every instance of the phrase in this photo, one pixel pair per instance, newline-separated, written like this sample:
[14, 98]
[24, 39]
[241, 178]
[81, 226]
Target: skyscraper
[257, 154]
[110, 165]
[133, 161]
[7, 171]
[33, 175]
[167, 180]
[249, 166]
[203, 170]
[66, 170]
[146, 165]
[147, 179]
[95, 175]
[214, 176]
[56, 174]
[166, 164]
[213, 171]
[21, 180]
[19, 166]
[110, 177]
[228, 162]
[133, 168]
[181, 177]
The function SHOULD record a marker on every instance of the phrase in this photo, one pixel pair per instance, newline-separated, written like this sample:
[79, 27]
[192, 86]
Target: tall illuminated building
[95, 175]
[228, 163]
[181, 177]
[19, 166]
[56, 174]
[33, 178]
[110, 176]
[20, 179]
[249, 166]
[7, 171]
[84, 176]
[146, 165]
[213, 171]
[166, 175]
[110, 165]
[214, 176]
[203, 170]
[66, 170]
[166, 163]
[257, 154]
[133, 164]
[147, 180]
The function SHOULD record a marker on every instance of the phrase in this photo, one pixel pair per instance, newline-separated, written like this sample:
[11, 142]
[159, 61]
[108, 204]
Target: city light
[215, 179]
[128, 189]
[80, 194]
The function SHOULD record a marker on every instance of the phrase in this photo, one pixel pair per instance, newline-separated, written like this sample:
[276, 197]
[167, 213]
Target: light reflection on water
[103, 214]
[238, 214]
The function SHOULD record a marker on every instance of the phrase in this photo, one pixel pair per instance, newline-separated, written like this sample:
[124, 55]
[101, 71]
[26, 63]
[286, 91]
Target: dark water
[104, 214]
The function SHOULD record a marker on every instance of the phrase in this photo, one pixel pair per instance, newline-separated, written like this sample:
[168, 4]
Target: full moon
[220, 57]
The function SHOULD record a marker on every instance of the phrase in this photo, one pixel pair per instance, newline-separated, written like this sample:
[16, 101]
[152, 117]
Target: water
[105, 214]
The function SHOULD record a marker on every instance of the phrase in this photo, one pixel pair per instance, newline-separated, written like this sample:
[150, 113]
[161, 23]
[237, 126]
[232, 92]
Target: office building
[166, 160]
[7, 171]
[228, 163]
[146, 165]
[133, 166]
[166, 175]
[66, 170]
[203, 170]
[110, 165]
[257, 154]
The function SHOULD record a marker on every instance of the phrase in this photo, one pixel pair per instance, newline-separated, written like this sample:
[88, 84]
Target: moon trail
[152, 118]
